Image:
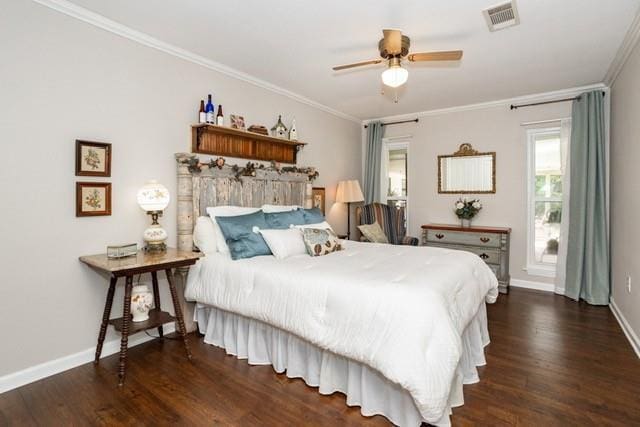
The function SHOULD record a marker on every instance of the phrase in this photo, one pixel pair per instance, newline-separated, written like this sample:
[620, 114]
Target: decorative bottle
[293, 132]
[219, 116]
[202, 116]
[209, 111]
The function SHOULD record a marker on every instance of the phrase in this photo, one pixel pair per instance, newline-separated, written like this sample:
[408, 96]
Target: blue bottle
[209, 111]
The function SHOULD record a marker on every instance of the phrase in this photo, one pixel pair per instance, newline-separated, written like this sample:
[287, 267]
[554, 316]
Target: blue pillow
[313, 216]
[282, 220]
[239, 235]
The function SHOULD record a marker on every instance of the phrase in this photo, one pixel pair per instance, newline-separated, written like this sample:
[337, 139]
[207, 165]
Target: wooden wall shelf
[224, 141]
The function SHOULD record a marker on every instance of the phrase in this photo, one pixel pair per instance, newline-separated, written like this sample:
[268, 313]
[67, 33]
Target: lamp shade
[153, 196]
[349, 191]
[395, 76]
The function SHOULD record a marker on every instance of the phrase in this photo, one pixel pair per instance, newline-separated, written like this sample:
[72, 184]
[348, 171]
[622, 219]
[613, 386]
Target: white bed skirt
[262, 344]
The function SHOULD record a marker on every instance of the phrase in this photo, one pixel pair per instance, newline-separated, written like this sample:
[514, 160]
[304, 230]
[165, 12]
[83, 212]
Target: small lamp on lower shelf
[349, 192]
[154, 198]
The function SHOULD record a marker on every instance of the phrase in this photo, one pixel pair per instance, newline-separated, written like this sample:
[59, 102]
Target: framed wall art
[93, 158]
[237, 122]
[318, 198]
[93, 198]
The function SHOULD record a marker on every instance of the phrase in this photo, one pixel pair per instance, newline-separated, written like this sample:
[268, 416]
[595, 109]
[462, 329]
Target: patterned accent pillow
[373, 233]
[320, 242]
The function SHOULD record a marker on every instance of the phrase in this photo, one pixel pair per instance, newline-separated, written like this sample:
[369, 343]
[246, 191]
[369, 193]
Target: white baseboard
[626, 328]
[528, 284]
[52, 367]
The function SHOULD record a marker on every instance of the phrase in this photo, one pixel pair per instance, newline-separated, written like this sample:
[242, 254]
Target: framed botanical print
[93, 158]
[93, 198]
[317, 197]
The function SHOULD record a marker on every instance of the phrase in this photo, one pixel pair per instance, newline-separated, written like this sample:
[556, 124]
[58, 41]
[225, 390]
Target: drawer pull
[483, 256]
[484, 239]
[439, 236]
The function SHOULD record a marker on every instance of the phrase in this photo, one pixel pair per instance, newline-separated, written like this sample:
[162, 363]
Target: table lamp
[349, 192]
[154, 198]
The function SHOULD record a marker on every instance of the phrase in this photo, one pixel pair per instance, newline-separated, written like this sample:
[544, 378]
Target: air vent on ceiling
[502, 16]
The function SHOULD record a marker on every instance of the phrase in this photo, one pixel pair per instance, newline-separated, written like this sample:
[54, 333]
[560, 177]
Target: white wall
[61, 80]
[625, 196]
[490, 129]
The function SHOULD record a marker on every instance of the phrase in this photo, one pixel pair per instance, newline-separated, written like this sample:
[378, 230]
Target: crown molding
[539, 97]
[628, 44]
[70, 9]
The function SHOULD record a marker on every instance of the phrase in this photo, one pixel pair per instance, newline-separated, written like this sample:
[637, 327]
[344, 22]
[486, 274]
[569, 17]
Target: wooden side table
[128, 267]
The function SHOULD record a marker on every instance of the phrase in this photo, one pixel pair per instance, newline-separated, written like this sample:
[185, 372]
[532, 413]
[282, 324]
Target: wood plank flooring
[551, 362]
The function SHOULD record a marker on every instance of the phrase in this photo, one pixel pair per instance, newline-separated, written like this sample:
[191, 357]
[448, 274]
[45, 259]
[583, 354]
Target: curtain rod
[515, 107]
[397, 123]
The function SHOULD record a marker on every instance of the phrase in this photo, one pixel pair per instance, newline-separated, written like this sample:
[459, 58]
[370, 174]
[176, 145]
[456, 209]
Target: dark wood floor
[551, 362]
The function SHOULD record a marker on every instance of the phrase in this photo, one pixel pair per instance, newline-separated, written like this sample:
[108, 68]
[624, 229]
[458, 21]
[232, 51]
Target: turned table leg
[105, 318]
[178, 311]
[156, 299]
[126, 320]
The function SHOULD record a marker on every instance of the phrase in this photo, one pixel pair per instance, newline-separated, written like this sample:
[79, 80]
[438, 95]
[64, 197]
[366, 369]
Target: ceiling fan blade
[392, 41]
[357, 64]
[449, 55]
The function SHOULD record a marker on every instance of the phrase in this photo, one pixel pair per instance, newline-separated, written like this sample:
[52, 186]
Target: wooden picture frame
[318, 199]
[93, 158]
[93, 199]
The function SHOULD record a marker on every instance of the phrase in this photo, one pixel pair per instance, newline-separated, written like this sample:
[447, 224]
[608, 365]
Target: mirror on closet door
[467, 171]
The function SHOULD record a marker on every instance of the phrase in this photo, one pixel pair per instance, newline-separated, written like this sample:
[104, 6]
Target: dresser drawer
[488, 255]
[491, 240]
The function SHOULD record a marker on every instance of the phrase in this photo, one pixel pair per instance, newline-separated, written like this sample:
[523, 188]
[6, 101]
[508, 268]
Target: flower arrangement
[467, 209]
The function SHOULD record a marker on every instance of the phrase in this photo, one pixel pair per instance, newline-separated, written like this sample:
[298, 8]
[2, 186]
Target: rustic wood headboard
[215, 183]
[201, 185]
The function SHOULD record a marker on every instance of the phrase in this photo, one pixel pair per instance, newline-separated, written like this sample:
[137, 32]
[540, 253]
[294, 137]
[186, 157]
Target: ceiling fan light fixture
[395, 75]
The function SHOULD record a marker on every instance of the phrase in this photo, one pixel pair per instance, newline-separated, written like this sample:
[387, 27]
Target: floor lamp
[349, 192]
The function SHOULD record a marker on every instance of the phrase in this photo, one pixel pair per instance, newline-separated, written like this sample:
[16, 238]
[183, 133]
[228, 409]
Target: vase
[141, 300]
[465, 223]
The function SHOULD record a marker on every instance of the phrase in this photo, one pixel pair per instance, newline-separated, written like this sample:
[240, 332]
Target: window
[395, 158]
[546, 150]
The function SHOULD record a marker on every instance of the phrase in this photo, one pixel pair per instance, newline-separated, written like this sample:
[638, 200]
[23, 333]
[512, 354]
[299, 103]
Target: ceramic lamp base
[155, 237]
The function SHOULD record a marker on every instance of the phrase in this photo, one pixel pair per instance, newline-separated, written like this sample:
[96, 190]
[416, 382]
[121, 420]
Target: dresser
[489, 243]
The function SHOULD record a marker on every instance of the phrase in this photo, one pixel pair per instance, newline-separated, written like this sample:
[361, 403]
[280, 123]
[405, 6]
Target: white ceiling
[293, 44]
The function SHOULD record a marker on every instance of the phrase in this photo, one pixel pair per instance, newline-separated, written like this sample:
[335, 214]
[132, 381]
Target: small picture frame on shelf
[93, 158]
[93, 198]
[237, 122]
[318, 198]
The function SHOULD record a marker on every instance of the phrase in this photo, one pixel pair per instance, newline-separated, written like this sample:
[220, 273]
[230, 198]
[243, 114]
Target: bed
[397, 329]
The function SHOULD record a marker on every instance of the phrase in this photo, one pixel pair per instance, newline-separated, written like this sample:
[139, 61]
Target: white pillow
[279, 208]
[204, 235]
[215, 211]
[324, 225]
[284, 243]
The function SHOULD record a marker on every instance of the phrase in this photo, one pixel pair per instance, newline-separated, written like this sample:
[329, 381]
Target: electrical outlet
[629, 284]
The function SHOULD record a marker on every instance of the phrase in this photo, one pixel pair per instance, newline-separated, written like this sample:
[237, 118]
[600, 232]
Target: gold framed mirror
[467, 171]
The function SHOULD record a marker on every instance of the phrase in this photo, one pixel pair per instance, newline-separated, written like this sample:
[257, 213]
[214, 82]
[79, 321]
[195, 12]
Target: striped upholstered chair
[391, 220]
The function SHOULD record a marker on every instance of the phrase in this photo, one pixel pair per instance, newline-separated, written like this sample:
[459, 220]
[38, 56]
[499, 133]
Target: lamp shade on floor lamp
[349, 192]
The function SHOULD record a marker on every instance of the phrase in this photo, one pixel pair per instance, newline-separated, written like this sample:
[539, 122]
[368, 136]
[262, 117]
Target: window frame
[390, 144]
[534, 267]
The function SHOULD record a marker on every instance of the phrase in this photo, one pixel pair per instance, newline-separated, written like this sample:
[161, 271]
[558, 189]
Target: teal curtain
[373, 164]
[587, 270]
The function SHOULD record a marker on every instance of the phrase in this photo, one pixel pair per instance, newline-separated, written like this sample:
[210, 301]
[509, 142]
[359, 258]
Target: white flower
[459, 205]
[476, 205]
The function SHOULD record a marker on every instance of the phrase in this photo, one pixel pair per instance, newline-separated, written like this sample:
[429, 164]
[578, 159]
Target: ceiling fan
[393, 47]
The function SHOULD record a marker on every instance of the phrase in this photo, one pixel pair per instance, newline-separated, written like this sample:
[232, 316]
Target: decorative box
[121, 251]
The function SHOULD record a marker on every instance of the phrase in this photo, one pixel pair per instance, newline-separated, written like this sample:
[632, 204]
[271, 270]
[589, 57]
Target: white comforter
[398, 309]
